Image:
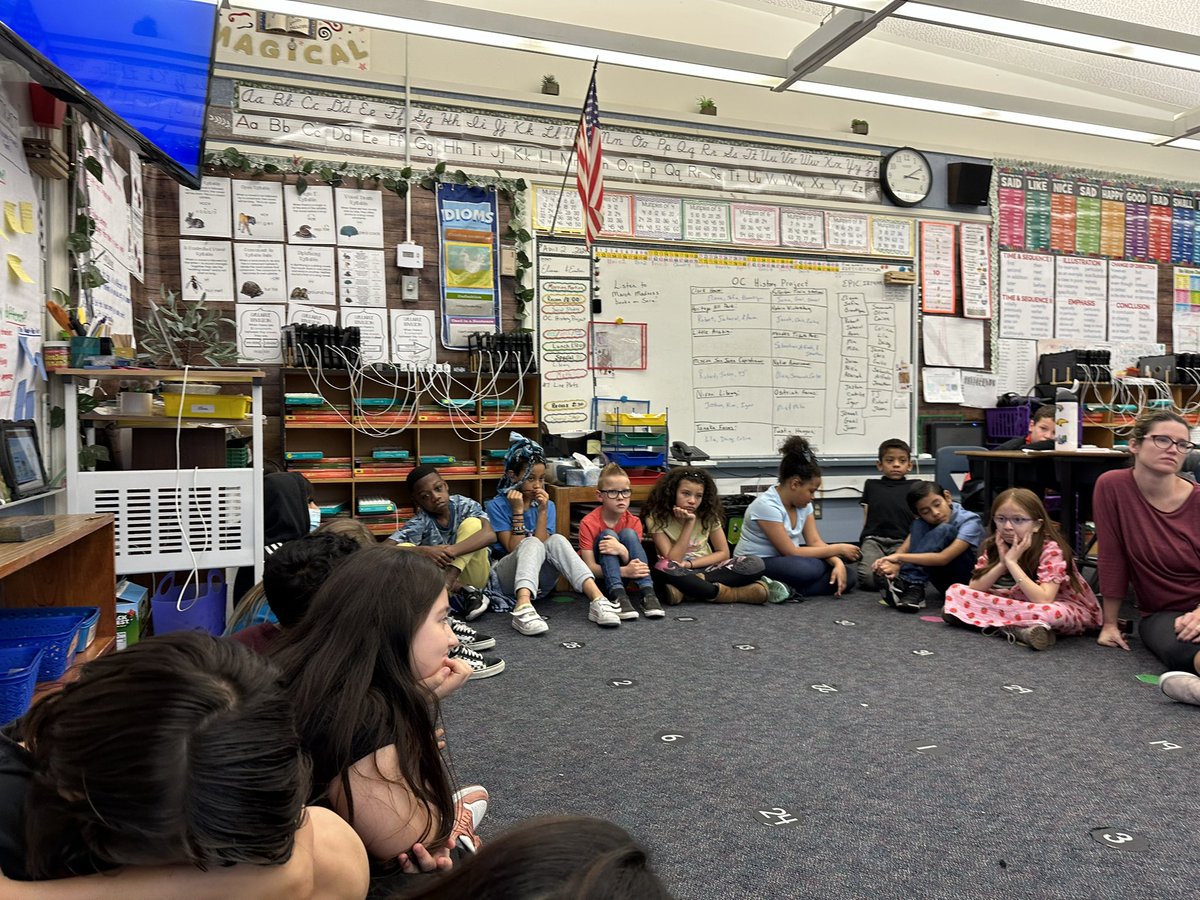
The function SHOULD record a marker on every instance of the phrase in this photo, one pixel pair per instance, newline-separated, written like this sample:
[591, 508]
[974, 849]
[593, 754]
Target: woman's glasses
[1015, 521]
[1162, 442]
[622, 494]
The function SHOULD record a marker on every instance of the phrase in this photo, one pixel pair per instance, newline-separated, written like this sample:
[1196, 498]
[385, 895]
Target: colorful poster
[975, 261]
[1160, 227]
[1080, 298]
[1112, 222]
[1026, 295]
[1037, 212]
[706, 221]
[1137, 224]
[468, 241]
[1132, 302]
[1185, 324]
[1183, 228]
[1062, 215]
[937, 268]
[1011, 198]
[1087, 217]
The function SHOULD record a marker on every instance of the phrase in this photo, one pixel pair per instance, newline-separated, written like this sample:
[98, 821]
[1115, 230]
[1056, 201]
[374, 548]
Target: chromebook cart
[168, 519]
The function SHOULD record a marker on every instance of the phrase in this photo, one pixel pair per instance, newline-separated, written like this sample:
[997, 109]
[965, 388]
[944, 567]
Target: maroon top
[1158, 552]
[259, 638]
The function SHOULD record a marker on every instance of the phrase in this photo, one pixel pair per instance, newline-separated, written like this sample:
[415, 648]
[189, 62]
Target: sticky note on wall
[26, 217]
[11, 217]
[14, 266]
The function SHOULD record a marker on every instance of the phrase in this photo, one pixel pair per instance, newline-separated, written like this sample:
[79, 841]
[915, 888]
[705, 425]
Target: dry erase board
[742, 349]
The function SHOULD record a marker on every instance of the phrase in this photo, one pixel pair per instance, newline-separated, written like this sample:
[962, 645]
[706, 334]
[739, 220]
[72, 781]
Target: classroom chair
[948, 463]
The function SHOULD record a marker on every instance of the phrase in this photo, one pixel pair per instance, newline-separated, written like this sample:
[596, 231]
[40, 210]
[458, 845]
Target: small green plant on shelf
[179, 333]
[550, 85]
[860, 126]
[707, 106]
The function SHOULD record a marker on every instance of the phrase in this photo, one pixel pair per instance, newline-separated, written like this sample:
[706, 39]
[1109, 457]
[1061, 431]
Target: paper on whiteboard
[979, 389]
[942, 385]
[953, 342]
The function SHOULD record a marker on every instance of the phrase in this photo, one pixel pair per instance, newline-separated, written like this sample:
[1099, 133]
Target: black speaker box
[968, 183]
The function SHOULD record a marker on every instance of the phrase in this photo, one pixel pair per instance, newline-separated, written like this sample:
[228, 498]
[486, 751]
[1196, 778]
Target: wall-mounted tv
[141, 67]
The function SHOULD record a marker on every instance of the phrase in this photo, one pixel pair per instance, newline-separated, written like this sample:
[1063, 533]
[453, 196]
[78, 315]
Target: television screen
[21, 459]
[147, 61]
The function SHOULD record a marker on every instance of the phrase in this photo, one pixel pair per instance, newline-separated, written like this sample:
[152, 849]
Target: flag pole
[571, 156]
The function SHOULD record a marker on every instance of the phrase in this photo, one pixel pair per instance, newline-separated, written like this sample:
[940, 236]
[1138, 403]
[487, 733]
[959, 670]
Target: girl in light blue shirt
[779, 528]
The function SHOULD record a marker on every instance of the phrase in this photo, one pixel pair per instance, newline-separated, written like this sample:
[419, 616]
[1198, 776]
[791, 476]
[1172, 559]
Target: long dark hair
[553, 858]
[798, 460]
[348, 668]
[659, 506]
[1031, 505]
[180, 750]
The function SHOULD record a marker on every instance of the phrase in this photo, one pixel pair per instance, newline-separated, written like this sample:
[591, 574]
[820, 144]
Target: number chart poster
[1096, 214]
[468, 241]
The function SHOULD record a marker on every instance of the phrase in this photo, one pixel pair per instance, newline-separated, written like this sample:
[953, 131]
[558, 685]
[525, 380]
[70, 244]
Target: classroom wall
[475, 70]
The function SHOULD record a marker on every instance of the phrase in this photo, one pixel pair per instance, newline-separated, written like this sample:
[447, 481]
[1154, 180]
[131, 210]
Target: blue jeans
[806, 574]
[611, 565]
[957, 571]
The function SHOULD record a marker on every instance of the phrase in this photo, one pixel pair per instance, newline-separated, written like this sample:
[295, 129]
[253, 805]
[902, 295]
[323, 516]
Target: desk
[1066, 469]
[563, 497]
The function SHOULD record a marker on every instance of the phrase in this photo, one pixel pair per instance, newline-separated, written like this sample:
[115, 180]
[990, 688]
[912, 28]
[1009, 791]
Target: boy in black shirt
[886, 515]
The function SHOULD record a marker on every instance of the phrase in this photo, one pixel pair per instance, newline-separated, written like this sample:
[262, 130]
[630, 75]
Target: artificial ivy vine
[398, 182]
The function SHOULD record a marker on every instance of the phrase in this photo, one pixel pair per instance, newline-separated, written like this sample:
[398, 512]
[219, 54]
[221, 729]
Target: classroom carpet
[837, 748]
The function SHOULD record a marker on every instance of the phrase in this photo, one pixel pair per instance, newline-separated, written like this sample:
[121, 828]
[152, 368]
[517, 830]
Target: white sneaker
[1183, 687]
[527, 621]
[604, 612]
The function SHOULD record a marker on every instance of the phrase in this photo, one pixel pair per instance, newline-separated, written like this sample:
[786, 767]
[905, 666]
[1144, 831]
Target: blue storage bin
[87, 628]
[18, 677]
[56, 634]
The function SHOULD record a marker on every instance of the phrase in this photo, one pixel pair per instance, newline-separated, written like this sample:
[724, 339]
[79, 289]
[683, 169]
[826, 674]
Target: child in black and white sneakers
[886, 516]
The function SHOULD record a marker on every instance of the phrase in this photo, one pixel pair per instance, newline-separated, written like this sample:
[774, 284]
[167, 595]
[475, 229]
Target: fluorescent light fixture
[950, 108]
[508, 41]
[957, 14]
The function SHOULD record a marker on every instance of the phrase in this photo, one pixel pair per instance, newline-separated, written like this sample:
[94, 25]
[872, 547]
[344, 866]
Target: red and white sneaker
[470, 804]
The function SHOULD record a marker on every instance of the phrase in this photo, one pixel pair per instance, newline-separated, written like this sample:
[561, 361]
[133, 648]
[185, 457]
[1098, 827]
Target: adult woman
[172, 768]
[1148, 527]
[365, 668]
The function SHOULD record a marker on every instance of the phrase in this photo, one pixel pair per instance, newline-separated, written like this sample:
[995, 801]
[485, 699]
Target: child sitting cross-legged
[938, 550]
[1025, 583]
[610, 543]
[683, 516]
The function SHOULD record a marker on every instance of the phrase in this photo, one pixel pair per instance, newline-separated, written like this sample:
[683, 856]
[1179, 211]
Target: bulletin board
[743, 347]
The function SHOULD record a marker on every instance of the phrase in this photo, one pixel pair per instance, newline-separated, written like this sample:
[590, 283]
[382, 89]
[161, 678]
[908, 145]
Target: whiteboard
[743, 349]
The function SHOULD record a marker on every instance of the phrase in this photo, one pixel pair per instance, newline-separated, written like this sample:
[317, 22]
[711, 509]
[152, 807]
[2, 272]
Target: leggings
[535, 565]
[737, 571]
[806, 574]
[1157, 632]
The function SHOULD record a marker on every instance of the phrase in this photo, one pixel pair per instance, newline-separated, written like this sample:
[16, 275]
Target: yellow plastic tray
[211, 406]
[635, 419]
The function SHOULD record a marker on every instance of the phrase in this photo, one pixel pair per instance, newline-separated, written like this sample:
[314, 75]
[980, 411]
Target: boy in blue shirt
[886, 514]
[940, 549]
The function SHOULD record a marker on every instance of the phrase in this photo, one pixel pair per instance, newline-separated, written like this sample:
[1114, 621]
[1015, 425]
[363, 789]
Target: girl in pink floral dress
[1025, 583]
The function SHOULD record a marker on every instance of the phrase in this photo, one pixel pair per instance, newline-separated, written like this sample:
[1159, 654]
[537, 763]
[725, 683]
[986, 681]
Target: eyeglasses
[1015, 521]
[1162, 442]
[622, 494]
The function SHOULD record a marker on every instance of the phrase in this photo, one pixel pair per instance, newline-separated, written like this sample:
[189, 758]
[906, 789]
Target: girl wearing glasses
[1148, 524]
[1025, 584]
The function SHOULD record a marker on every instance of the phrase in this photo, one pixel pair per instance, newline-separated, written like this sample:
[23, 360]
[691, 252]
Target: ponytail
[798, 461]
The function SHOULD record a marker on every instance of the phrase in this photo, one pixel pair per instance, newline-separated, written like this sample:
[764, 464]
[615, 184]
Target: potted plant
[707, 106]
[180, 333]
[550, 85]
[859, 126]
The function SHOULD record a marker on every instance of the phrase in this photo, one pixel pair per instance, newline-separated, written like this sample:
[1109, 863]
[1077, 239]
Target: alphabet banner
[468, 241]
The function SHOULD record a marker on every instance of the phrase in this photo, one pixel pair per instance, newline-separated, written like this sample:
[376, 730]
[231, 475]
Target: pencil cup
[82, 349]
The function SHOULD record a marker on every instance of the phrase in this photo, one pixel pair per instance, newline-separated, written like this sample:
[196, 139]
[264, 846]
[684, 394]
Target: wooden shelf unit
[467, 442]
[1103, 427]
[74, 566]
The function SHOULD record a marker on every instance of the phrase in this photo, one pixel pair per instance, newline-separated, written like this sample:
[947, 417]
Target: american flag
[589, 162]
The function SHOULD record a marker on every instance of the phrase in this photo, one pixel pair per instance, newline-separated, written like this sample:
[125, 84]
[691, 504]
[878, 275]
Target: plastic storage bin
[1006, 422]
[18, 677]
[635, 420]
[213, 406]
[56, 635]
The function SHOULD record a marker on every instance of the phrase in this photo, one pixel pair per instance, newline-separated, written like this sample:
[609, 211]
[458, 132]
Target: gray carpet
[1002, 807]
